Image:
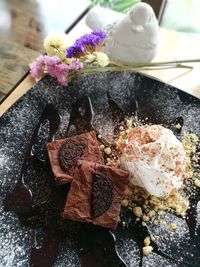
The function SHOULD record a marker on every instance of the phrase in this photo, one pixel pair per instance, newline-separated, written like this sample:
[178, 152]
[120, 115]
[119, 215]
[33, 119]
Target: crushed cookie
[197, 182]
[147, 250]
[178, 126]
[147, 241]
[190, 142]
[107, 150]
[173, 226]
[101, 147]
[143, 205]
[137, 211]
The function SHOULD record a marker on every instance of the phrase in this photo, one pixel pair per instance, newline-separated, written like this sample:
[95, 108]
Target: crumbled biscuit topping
[146, 207]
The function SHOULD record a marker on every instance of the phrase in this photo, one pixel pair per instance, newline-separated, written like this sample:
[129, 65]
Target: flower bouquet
[63, 62]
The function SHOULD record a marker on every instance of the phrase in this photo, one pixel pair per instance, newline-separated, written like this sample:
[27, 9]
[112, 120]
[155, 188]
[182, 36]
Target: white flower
[101, 58]
[89, 58]
[56, 44]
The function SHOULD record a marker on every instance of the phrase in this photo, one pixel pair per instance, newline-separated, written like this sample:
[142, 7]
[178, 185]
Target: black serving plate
[22, 236]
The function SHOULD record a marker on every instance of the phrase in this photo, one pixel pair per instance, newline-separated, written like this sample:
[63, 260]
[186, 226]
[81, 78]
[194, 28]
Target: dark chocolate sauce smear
[20, 199]
[102, 194]
[45, 255]
[191, 215]
[95, 246]
[139, 233]
[118, 113]
[177, 125]
[81, 116]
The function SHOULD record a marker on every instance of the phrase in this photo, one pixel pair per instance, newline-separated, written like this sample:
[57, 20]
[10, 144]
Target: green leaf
[117, 5]
[124, 5]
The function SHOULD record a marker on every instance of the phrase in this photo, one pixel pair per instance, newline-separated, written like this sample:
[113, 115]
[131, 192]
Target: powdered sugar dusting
[156, 101]
[14, 241]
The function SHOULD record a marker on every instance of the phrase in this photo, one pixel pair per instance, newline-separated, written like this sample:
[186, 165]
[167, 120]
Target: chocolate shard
[102, 194]
[70, 152]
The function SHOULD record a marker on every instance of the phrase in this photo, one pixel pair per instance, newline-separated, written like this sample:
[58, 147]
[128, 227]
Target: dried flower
[85, 43]
[56, 44]
[38, 67]
[101, 58]
[57, 69]
[52, 65]
[62, 62]
[75, 65]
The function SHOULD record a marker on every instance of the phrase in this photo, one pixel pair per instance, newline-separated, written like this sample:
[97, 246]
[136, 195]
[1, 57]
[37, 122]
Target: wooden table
[23, 26]
[173, 46]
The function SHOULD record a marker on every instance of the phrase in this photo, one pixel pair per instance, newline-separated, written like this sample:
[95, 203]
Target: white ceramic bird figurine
[134, 38]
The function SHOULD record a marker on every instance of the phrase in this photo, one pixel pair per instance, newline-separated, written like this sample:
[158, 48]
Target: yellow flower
[101, 58]
[56, 44]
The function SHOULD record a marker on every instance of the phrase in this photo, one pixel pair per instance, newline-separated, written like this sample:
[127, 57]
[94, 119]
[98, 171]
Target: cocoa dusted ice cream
[64, 153]
[155, 159]
[96, 194]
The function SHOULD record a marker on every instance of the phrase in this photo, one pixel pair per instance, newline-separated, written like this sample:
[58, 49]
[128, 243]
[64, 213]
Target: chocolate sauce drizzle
[95, 246]
[81, 117]
[20, 199]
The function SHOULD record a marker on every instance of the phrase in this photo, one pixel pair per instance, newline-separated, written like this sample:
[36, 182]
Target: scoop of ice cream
[155, 159]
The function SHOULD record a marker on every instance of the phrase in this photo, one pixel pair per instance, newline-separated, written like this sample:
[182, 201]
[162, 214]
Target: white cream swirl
[155, 159]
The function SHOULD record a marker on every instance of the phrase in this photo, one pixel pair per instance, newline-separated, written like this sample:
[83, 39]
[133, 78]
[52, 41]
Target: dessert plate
[38, 229]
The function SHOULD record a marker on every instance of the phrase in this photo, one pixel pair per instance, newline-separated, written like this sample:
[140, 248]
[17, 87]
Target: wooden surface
[23, 26]
[173, 46]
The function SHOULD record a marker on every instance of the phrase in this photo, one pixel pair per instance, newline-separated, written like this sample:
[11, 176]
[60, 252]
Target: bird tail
[99, 17]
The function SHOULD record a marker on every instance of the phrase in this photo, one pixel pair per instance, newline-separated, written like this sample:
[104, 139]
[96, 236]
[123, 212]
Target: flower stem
[115, 66]
[151, 64]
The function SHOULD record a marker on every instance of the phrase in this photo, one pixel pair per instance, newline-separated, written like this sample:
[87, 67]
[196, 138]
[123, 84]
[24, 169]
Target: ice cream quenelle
[155, 159]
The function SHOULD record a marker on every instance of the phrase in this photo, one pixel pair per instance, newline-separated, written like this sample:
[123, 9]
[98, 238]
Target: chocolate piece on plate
[70, 151]
[102, 194]
[64, 153]
[95, 195]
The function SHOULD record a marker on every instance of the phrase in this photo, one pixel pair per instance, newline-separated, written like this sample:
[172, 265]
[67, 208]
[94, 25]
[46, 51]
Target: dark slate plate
[161, 103]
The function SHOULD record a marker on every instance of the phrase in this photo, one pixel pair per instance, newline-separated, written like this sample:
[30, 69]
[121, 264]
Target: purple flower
[80, 46]
[100, 34]
[70, 52]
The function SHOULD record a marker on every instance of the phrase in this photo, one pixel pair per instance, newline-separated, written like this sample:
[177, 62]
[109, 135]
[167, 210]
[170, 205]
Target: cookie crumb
[147, 241]
[125, 202]
[147, 250]
[145, 218]
[178, 126]
[152, 238]
[107, 150]
[137, 211]
[197, 182]
[101, 147]
[173, 226]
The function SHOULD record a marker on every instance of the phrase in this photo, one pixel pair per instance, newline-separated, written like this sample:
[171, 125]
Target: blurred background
[25, 23]
[180, 15]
